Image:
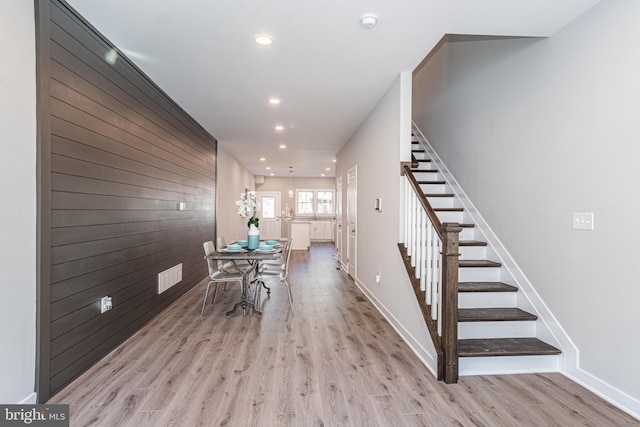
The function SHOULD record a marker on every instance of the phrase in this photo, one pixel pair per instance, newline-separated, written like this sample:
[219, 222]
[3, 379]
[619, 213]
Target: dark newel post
[450, 255]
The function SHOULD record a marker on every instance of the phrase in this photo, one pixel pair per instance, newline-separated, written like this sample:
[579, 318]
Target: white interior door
[338, 239]
[268, 212]
[352, 198]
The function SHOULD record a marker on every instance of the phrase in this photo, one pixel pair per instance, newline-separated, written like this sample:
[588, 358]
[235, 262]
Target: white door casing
[352, 197]
[338, 231]
[269, 214]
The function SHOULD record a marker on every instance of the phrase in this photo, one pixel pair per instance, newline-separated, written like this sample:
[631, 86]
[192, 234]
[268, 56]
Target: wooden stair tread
[485, 287]
[472, 243]
[448, 209]
[478, 263]
[439, 195]
[424, 160]
[423, 170]
[432, 182]
[467, 225]
[502, 314]
[505, 347]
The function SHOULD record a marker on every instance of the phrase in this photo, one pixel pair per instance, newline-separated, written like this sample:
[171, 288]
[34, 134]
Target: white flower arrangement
[248, 206]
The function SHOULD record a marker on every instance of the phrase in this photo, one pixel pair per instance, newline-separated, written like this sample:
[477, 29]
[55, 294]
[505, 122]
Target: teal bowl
[271, 242]
[265, 247]
[242, 242]
[234, 247]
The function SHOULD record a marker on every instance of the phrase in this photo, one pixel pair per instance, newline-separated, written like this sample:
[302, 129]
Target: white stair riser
[473, 252]
[420, 155]
[451, 217]
[427, 176]
[508, 365]
[467, 233]
[434, 188]
[426, 166]
[486, 299]
[485, 274]
[441, 202]
[469, 330]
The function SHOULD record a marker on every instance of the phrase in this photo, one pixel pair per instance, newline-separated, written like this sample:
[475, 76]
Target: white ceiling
[328, 71]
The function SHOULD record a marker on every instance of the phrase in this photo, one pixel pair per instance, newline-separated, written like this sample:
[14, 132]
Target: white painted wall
[18, 193]
[534, 130]
[232, 178]
[374, 149]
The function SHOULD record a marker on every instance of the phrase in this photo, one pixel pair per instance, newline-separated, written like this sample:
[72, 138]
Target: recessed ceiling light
[263, 39]
[274, 101]
[368, 21]
[282, 146]
[262, 159]
[271, 174]
[321, 174]
[335, 160]
[268, 168]
[279, 127]
[327, 169]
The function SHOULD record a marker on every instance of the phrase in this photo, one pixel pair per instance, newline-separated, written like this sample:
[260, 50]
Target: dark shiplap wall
[122, 155]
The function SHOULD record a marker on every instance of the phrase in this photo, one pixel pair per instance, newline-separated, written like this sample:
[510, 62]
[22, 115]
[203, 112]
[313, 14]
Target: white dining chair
[277, 272]
[216, 275]
[277, 263]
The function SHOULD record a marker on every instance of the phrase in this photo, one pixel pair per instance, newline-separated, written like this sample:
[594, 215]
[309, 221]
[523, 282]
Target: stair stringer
[548, 328]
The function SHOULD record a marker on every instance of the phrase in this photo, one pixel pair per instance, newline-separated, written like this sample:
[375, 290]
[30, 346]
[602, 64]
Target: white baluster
[429, 269]
[419, 239]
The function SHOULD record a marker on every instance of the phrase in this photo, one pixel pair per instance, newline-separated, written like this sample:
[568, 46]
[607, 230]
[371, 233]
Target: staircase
[494, 334]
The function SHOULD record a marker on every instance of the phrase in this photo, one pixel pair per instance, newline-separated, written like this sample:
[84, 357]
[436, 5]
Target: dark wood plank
[504, 347]
[84, 176]
[486, 287]
[506, 314]
[472, 243]
[478, 263]
[448, 209]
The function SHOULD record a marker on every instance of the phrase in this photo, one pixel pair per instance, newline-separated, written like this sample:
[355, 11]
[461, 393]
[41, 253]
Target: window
[314, 202]
[268, 207]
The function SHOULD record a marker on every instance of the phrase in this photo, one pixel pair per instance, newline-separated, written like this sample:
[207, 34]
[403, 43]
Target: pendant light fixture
[290, 182]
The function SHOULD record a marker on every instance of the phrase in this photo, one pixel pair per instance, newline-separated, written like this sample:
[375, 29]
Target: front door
[269, 214]
[352, 197]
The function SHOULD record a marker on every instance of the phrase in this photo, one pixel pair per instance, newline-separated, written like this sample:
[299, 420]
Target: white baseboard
[616, 397]
[423, 354]
[30, 399]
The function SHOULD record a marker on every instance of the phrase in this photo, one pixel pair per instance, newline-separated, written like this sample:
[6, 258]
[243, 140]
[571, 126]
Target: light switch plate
[583, 221]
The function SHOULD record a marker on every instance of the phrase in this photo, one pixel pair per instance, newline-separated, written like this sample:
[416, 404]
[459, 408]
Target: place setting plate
[265, 251]
[233, 251]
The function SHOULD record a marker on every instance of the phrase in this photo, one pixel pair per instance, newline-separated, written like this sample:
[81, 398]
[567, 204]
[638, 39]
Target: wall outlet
[378, 276]
[106, 304]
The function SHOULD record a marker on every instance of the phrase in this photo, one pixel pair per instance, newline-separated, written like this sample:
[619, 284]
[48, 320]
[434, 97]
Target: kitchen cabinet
[300, 233]
[321, 230]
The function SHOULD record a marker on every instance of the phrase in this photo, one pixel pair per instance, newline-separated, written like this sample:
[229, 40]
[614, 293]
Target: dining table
[250, 294]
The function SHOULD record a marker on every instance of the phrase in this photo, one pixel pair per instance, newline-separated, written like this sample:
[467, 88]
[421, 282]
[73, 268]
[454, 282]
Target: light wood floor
[336, 362]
